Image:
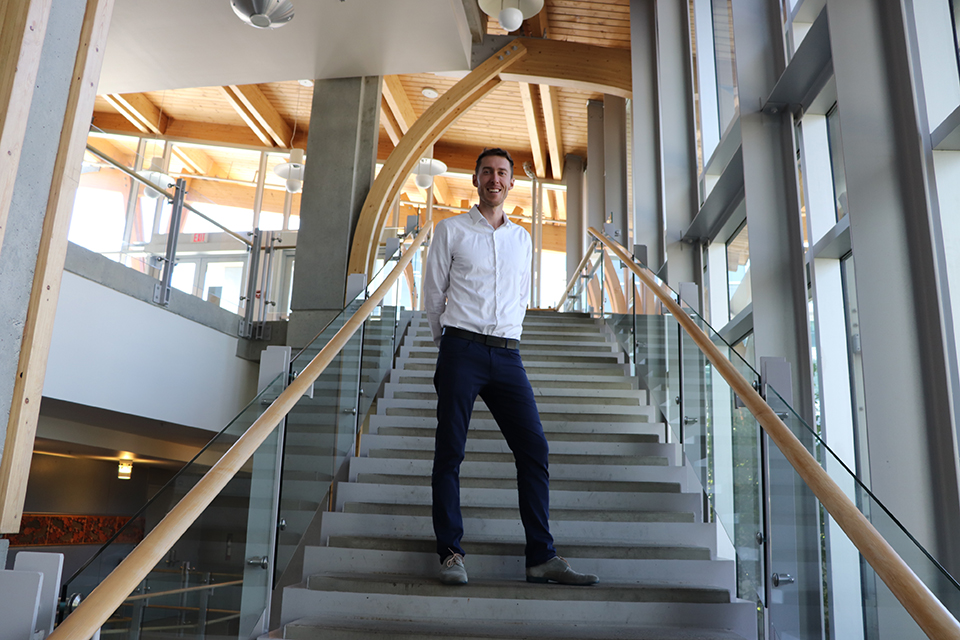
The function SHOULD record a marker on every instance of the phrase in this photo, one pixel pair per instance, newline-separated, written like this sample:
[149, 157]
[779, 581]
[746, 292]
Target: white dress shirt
[477, 278]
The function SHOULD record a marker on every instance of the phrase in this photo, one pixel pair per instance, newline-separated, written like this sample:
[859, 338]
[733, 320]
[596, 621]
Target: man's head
[493, 177]
[496, 152]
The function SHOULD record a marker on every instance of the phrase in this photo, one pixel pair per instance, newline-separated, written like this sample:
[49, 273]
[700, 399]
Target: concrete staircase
[622, 506]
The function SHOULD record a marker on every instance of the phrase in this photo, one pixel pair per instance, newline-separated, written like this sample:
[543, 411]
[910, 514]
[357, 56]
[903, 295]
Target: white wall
[118, 353]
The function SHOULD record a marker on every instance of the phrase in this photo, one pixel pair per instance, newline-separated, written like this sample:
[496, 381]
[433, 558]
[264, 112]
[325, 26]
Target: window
[738, 271]
[836, 161]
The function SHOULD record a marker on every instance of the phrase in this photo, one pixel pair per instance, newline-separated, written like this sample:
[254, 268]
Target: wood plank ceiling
[537, 124]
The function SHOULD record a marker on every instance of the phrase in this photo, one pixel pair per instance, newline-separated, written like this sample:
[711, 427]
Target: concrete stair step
[558, 389]
[491, 497]
[372, 442]
[552, 379]
[563, 606]
[336, 627]
[513, 513]
[591, 369]
[501, 470]
[512, 590]
[551, 424]
[507, 457]
[426, 394]
[547, 414]
[425, 430]
[582, 536]
[533, 356]
[592, 406]
[508, 483]
[421, 560]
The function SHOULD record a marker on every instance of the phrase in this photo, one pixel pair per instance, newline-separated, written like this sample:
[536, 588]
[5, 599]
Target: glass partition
[805, 575]
[219, 577]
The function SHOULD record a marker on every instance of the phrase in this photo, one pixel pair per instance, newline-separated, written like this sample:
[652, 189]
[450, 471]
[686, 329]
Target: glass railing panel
[855, 597]
[314, 443]
[236, 527]
[179, 604]
[721, 442]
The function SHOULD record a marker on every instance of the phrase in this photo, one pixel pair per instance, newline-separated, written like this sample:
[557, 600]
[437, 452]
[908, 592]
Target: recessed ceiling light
[263, 14]
[429, 92]
[305, 83]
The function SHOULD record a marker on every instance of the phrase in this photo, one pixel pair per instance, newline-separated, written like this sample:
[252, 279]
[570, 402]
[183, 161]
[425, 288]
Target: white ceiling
[201, 43]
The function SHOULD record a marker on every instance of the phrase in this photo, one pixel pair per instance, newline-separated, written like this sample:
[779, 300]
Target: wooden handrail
[116, 587]
[935, 620]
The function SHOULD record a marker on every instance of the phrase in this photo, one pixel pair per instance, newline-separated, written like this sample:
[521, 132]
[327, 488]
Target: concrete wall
[115, 352]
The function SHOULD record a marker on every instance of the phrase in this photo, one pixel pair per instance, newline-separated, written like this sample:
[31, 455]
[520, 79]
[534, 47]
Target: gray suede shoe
[452, 570]
[558, 570]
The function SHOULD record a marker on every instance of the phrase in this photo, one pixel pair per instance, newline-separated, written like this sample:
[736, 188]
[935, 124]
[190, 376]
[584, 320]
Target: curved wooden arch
[562, 64]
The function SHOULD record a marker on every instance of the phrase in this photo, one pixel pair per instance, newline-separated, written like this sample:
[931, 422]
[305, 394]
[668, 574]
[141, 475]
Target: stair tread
[515, 589]
[499, 548]
[355, 628]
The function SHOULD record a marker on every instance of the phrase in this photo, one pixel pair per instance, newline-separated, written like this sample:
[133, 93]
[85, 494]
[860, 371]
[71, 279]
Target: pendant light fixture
[426, 169]
[511, 13]
[292, 171]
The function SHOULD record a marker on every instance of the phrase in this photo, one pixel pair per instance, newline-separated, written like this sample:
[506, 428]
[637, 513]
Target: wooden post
[23, 24]
[31, 370]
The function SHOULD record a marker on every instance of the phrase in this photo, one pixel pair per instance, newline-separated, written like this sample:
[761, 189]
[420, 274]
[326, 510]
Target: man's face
[493, 181]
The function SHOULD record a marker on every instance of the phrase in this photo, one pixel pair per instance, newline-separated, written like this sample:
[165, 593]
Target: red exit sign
[199, 237]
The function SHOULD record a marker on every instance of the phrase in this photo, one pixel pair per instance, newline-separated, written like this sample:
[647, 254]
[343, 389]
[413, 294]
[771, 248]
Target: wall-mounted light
[511, 13]
[426, 169]
[125, 469]
[292, 171]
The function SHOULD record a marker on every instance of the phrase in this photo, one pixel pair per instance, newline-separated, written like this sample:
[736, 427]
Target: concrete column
[596, 194]
[648, 223]
[340, 163]
[677, 141]
[31, 190]
[779, 294]
[576, 231]
[615, 166]
[903, 337]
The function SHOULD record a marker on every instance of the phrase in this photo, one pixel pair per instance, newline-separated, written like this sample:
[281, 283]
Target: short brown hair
[494, 151]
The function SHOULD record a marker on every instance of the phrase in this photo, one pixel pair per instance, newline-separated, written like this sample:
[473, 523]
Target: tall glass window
[738, 271]
[725, 54]
[851, 314]
[836, 161]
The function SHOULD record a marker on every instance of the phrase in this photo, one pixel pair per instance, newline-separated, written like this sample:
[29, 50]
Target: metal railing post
[161, 292]
[253, 268]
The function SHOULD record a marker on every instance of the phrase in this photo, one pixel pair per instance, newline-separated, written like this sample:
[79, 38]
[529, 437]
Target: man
[476, 289]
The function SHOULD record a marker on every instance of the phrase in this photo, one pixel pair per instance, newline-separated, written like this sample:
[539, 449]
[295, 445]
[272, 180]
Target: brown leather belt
[490, 341]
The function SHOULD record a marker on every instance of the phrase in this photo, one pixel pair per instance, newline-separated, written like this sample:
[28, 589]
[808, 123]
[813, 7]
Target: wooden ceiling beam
[198, 160]
[389, 122]
[139, 111]
[396, 97]
[551, 117]
[199, 132]
[530, 108]
[536, 27]
[441, 191]
[266, 114]
[573, 65]
[241, 108]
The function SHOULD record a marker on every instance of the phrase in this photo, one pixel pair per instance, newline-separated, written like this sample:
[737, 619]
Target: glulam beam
[140, 112]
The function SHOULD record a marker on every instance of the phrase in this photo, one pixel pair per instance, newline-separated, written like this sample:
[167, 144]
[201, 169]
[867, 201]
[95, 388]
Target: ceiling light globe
[294, 185]
[423, 180]
[510, 19]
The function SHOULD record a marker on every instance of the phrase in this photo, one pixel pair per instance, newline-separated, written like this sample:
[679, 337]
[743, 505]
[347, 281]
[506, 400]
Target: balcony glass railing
[792, 559]
[218, 578]
[232, 200]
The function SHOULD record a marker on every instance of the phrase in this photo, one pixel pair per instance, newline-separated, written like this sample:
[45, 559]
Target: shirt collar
[476, 216]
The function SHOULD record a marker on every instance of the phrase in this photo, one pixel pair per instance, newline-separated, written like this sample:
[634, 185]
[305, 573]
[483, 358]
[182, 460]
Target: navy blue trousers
[465, 370]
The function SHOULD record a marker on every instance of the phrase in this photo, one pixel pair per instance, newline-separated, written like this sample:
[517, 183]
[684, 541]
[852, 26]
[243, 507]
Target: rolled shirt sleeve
[436, 279]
